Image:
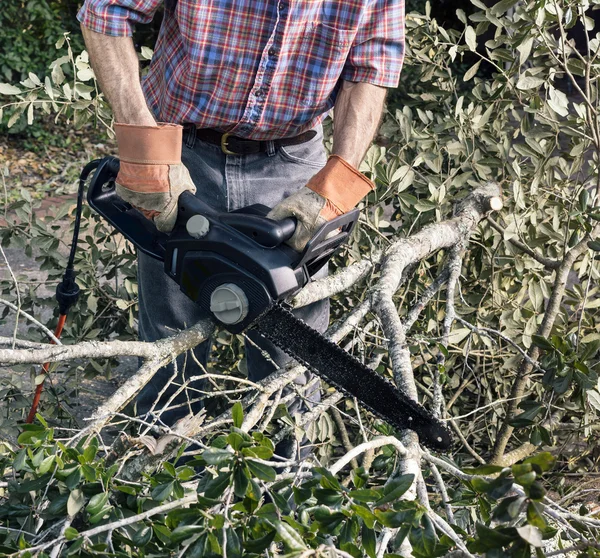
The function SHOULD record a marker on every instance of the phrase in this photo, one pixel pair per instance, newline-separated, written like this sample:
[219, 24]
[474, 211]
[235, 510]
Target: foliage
[519, 128]
[68, 92]
[29, 30]
[508, 118]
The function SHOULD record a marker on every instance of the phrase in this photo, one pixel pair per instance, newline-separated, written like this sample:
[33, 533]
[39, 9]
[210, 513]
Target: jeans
[227, 182]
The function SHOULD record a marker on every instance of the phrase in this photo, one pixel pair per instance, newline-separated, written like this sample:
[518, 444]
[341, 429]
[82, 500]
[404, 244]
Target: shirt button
[259, 93]
[272, 51]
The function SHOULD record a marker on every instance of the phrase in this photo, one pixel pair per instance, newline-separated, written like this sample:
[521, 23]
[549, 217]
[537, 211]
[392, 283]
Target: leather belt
[233, 145]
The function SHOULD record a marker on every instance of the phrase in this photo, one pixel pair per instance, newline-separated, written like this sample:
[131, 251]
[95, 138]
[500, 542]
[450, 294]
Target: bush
[519, 373]
[28, 46]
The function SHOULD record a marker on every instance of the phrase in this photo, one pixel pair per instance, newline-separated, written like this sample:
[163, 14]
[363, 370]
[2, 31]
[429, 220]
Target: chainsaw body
[235, 265]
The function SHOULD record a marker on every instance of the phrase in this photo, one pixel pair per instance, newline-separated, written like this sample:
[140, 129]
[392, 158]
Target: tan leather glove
[333, 191]
[152, 176]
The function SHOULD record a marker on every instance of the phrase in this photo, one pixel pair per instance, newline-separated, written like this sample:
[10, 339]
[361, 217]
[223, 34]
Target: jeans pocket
[311, 152]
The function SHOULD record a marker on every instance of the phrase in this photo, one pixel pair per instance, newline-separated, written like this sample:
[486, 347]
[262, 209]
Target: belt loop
[271, 148]
[190, 135]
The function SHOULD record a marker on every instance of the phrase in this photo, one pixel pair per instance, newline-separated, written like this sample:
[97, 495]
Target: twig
[18, 292]
[365, 446]
[179, 503]
[339, 421]
[9, 354]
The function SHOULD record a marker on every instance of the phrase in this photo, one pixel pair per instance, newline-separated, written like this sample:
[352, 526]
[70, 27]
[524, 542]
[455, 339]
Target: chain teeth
[348, 375]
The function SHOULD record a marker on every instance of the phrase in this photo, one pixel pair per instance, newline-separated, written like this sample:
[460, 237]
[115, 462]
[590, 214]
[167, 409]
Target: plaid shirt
[261, 69]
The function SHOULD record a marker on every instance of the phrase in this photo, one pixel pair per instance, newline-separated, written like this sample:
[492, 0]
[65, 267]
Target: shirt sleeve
[116, 17]
[377, 52]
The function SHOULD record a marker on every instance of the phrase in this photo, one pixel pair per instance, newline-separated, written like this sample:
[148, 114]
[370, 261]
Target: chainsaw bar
[340, 369]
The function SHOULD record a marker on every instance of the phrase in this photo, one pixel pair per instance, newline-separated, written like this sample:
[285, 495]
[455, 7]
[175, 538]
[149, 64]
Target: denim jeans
[227, 182]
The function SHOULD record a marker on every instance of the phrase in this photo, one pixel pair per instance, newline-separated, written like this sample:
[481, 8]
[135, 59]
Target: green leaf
[531, 534]
[290, 538]
[96, 503]
[365, 495]
[423, 538]
[529, 82]
[543, 461]
[261, 471]
[542, 342]
[101, 515]
[19, 462]
[527, 479]
[493, 538]
[46, 464]
[75, 502]
[71, 533]
[594, 245]
[236, 441]
[169, 468]
[73, 479]
[483, 470]
[240, 481]
[472, 71]
[143, 536]
[369, 541]
[471, 38]
[214, 456]
[395, 519]
[162, 491]
[185, 532]
[162, 532]
[365, 514]
[7, 89]
[502, 7]
[237, 413]
[257, 546]
[395, 489]
[217, 486]
[58, 505]
[535, 515]
[260, 452]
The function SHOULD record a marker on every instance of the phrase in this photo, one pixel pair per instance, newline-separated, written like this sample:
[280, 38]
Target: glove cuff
[341, 184]
[150, 145]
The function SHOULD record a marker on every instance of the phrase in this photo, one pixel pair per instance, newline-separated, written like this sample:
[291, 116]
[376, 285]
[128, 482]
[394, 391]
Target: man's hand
[152, 176]
[339, 186]
[333, 191]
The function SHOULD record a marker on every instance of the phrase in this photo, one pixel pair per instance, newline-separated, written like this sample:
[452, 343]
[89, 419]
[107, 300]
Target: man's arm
[116, 66]
[151, 176]
[339, 186]
[357, 114]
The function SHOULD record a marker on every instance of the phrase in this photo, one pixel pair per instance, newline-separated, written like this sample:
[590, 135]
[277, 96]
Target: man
[251, 80]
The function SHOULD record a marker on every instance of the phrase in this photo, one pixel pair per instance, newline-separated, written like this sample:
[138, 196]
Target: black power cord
[67, 291]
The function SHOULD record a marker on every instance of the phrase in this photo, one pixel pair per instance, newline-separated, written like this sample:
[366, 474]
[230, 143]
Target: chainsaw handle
[265, 231]
[326, 241]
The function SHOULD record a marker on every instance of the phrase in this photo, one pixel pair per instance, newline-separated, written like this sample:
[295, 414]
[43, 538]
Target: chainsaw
[237, 267]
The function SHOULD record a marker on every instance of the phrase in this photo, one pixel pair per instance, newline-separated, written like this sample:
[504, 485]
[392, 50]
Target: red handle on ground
[40, 387]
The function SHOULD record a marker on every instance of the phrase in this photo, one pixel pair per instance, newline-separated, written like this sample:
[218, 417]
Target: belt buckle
[224, 149]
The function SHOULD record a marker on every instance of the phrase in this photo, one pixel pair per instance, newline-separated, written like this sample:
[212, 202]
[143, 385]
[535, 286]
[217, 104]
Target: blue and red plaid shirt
[261, 69]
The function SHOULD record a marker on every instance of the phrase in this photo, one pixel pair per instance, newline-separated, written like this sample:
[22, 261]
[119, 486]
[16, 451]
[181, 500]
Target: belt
[233, 145]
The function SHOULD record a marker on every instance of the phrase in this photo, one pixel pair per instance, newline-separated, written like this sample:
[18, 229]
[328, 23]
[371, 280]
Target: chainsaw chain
[307, 346]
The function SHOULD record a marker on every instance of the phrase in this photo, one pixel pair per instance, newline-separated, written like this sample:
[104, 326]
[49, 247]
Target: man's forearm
[116, 66]
[357, 114]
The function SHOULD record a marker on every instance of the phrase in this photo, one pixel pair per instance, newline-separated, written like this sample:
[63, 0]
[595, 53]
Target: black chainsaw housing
[244, 247]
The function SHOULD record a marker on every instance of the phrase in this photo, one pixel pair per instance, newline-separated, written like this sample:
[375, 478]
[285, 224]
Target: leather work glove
[333, 191]
[151, 176]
